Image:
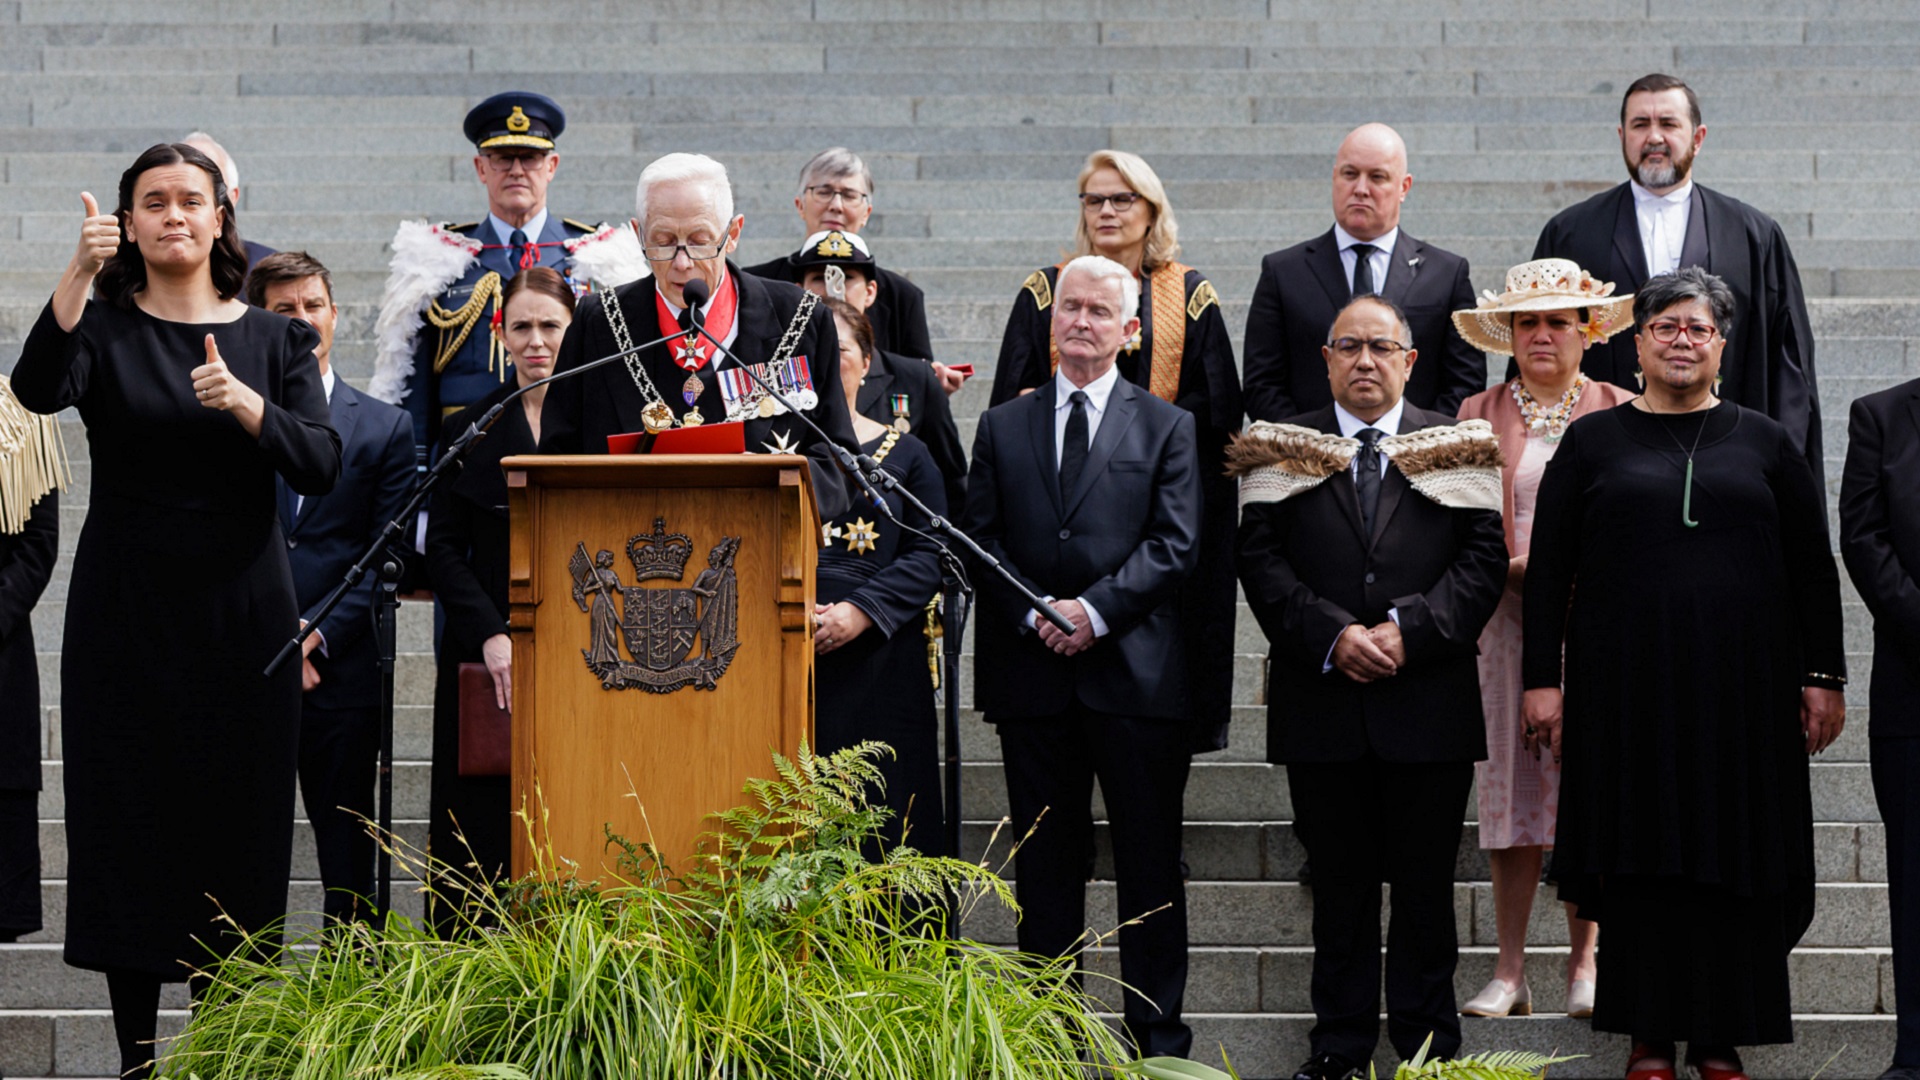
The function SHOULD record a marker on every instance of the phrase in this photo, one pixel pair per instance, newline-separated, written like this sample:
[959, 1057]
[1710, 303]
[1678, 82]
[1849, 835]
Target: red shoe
[1703, 1071]
[1642, 1051]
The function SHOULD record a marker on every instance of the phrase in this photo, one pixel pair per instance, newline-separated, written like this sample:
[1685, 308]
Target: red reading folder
[705, 439]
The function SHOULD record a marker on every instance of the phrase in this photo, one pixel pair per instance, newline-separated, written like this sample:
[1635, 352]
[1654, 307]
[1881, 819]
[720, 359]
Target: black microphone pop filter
[696, 293]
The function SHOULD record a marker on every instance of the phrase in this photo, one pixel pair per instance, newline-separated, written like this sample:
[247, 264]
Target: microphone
[696, 293]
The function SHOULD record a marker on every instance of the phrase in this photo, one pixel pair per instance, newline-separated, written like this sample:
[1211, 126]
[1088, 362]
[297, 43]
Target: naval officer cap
[834, 248]
[515, 118]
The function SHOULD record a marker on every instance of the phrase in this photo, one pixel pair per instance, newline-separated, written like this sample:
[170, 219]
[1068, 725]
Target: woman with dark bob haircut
[1680, 554]
[180, 755]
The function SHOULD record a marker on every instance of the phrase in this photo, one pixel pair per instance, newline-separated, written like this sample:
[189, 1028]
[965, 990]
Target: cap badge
[518, 122]
[835, 246]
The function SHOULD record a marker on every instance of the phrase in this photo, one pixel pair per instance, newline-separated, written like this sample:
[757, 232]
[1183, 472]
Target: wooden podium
[662, 644]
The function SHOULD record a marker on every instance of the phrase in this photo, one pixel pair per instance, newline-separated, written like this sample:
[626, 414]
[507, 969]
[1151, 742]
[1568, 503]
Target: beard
[1679, 163]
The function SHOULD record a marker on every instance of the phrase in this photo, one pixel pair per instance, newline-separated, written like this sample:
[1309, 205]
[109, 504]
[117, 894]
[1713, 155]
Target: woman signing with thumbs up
[180, 755]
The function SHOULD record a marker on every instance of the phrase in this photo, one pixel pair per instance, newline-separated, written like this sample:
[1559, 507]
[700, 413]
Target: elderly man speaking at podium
[684, 217]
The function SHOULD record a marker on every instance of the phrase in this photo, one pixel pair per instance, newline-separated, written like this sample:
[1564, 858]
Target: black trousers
[339, 762]
[1368, 823]
[1141, 764]
[1894, 764]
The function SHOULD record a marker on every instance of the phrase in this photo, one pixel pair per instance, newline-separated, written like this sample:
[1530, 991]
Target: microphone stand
[955, 587]
[387, 595]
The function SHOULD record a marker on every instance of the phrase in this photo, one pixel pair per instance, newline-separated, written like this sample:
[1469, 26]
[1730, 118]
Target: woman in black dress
[467, 546]
[1680, 553]
[180, 754]
[1182, 354]
[872, 676]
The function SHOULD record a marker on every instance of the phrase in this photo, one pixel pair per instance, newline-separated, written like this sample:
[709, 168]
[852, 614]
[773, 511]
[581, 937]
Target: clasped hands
[1366, 653]
[1067, 644]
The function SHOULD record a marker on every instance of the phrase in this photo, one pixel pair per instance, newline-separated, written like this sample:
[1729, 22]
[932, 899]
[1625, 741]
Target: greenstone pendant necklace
[1686, 498]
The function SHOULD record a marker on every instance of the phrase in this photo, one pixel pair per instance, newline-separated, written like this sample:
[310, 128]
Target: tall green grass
[780, 953]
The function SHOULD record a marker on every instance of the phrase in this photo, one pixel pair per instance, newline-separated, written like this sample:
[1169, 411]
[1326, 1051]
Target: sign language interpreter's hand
[218, 387]
[99, 239]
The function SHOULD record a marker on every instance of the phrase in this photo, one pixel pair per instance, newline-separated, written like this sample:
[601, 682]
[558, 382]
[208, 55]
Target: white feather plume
[608, 257]
[426, 260]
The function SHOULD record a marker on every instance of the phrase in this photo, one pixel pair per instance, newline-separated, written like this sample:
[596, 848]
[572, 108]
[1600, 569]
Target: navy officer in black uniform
[436, 352]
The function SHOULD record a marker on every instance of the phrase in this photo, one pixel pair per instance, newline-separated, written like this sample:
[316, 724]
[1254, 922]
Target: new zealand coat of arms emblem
[661, 626]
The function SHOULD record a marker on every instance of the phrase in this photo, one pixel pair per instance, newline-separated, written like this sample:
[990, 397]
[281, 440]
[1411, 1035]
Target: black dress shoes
[1327, 1067]
[1901, 1072]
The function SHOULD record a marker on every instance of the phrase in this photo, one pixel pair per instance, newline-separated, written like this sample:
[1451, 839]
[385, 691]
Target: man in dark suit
[340, 713]
[1088, 489]
[1372, 562]
[1302, 287]
[1660, 220]
[903, 392]
[1880, 541]
[836, 194]
[687, 228]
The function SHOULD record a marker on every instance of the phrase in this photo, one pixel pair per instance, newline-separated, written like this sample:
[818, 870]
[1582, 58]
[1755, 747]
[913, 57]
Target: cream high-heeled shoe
[1497, 1000]
[1580, 999]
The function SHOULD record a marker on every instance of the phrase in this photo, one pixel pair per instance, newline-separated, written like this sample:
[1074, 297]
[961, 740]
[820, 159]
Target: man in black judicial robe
[1372, 596]
[688, 207]
[1301, 289]
[1768, 363]
[26, 565]
[1088, 489]
[1880, 541]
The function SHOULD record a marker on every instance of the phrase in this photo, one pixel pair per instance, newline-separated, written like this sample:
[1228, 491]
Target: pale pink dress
[1519, 790]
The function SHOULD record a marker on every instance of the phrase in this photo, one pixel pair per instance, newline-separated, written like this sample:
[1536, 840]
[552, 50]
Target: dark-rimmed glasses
[1667, 331]
[1122, 201]
[696, 252]
[824, 194]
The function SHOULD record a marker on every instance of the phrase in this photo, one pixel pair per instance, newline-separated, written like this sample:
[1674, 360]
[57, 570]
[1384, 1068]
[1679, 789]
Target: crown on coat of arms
[519, 122]
[662, 555]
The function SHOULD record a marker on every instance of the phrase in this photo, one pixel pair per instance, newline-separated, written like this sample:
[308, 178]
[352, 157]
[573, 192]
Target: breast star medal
[862, 536]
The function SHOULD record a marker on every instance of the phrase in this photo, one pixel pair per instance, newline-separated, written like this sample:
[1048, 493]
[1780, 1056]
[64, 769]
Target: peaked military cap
[515, 118]
[834, 248]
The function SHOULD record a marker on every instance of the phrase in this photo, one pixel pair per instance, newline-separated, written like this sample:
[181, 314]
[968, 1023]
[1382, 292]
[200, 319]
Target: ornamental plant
[782, 952]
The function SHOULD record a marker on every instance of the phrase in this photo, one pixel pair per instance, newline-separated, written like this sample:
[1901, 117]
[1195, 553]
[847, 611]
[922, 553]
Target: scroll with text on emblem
[662, 643]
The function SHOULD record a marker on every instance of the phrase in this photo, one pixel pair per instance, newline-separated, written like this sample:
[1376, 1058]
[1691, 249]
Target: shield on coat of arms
[660, 625]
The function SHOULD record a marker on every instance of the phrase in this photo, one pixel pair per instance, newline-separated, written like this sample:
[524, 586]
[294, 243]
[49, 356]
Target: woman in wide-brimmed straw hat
[1548, 315]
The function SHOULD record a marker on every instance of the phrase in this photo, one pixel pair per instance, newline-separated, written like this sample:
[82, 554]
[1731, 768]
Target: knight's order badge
[676, 636]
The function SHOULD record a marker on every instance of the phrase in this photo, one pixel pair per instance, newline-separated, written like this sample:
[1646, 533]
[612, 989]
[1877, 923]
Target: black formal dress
[1686, 822]
[1378, 772]
[903, 390]
[1768, 365]
[1208, 386]
[1302, 288]
[1880, 539]
[340, 718]
[898, 314]
[1124, 539]
[878, 686]
[581, 412]
[179, 754]
[26, 565]
[467, 547]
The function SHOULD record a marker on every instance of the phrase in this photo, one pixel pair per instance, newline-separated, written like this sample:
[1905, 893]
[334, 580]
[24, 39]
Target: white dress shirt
[1097, 391]
[1378, 262]
[1663, 225]
[1350, 426]
[532, 228]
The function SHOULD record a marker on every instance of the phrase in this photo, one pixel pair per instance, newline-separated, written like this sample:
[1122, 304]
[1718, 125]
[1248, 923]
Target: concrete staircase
[975, 116]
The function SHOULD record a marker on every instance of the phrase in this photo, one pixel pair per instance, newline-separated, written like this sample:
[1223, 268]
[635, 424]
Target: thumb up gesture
[99, 237]
[216, 387]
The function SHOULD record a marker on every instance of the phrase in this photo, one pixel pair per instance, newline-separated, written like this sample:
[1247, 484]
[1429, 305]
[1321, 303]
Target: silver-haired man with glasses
[836, 195]
[684, 217]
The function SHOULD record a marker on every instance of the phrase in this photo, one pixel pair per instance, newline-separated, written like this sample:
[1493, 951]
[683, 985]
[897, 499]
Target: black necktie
[1367, 480]
[1073, 448]
[517, 245]
[1363, 270]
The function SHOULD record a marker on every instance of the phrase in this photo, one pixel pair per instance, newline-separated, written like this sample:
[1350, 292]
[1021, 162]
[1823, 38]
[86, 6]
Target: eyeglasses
[696, 252]
[1347, 348]
[1122, 201]
[1666, 332]
[824, 194]
[502, 163]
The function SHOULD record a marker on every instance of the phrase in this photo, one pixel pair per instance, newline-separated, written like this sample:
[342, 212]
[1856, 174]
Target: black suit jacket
[1768, 363]
[1124, 540]
[330, 531]
[1880, 541]
[1300, 291]
[1309, 573]
[579, 413]
[894, 380]
[898, 314]
[26, 565]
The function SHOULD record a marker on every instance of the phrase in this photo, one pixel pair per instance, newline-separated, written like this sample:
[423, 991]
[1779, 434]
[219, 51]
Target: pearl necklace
[1548, 422]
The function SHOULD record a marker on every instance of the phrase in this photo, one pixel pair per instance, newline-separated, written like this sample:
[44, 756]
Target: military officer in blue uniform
[437, 353]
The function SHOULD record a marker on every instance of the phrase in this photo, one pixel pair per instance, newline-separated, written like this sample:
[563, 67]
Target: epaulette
[1042, 291]
[581, 225]
[1202, 298]
[464, 227]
